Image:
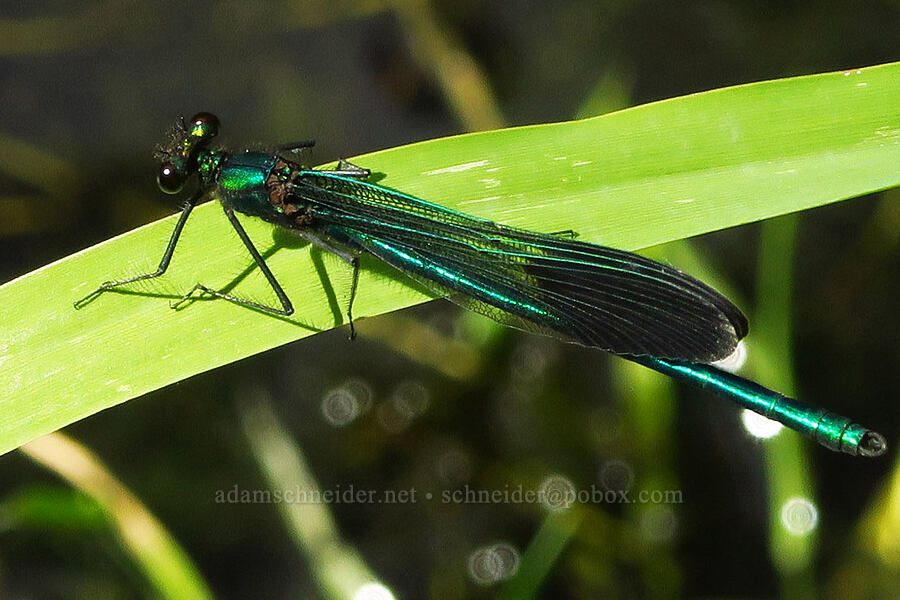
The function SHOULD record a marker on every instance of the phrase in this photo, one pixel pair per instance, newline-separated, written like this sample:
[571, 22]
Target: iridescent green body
[829, 429]
[241, 184]
[592, 295]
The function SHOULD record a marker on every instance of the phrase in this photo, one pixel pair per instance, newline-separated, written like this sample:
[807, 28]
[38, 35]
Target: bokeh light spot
[799, 516]
[493, 563]
[759, 426]
[373, 591]
[557, 493]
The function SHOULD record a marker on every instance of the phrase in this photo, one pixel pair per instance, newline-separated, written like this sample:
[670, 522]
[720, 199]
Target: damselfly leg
[286, 309]
[163, 264]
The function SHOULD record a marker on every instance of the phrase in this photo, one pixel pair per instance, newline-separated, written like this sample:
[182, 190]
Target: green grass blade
[544, 550]
[631, 179]
[169, 569]
[339, 569]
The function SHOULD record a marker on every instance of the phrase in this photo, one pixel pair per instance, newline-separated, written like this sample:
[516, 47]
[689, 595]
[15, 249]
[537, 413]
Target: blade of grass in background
[792, 543]
[165, 563]
[464, 85]
[548, 543]
[630, 179]
[342, 574]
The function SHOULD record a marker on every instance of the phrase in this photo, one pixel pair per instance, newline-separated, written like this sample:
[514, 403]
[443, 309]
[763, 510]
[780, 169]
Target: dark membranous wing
[592, 295]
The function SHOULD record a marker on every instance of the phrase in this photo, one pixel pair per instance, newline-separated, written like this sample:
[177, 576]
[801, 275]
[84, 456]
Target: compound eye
[204, 125]
[169, 178]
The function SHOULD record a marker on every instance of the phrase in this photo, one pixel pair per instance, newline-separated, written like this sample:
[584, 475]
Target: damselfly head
[178, 158]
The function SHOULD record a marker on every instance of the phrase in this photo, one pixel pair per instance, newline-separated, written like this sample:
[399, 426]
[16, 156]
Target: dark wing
[592, 295]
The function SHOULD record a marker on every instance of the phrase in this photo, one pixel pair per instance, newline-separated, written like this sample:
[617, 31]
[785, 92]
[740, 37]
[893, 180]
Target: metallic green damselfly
[592, 295]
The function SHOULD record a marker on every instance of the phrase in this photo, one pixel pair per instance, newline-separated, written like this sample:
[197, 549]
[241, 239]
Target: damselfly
[592, 295]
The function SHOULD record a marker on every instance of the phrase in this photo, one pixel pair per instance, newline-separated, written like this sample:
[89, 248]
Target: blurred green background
[433, 399]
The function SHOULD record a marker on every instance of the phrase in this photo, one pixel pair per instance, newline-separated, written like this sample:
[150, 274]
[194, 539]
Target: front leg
[163, 264]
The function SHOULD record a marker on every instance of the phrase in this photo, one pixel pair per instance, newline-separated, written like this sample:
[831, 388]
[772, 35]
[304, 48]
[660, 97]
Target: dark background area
[87, 90]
